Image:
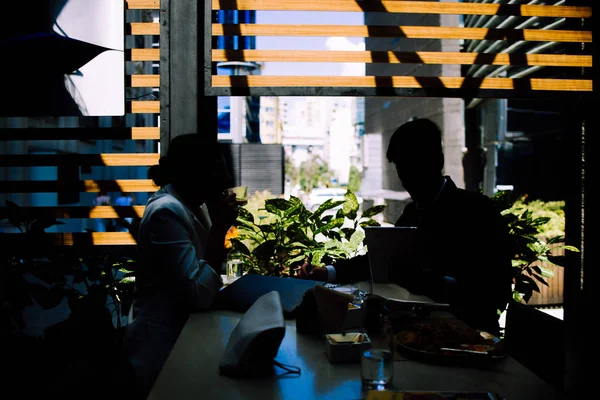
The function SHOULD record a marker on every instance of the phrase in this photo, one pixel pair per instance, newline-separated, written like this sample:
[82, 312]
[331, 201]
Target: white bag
[255, 340]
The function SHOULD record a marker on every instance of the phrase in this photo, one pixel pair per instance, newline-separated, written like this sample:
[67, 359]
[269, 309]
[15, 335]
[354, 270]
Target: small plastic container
[346, 348]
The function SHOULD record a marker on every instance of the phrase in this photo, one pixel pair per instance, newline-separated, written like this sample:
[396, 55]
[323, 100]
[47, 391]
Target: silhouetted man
[463, 240]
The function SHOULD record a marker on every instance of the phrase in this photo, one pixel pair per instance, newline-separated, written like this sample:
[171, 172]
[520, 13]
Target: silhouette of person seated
[462, 238]
[181, 250]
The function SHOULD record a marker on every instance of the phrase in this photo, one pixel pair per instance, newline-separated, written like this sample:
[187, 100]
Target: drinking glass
[241, 193]
[376, 369]
[234, 267]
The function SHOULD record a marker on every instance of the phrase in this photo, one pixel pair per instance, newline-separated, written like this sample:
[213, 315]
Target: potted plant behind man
[278, 243]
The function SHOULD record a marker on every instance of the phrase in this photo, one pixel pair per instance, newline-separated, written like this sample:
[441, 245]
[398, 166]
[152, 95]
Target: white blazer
[172, 280]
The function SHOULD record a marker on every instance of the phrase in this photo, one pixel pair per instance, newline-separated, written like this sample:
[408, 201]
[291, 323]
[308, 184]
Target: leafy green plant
[292, 234]
[35, 270]
[531, 245]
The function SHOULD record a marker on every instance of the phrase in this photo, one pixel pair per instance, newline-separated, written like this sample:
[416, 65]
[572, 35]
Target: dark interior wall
[532, 156]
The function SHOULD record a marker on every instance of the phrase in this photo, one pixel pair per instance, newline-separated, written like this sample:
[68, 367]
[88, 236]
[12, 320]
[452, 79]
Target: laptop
[390, 247]
[244, 291]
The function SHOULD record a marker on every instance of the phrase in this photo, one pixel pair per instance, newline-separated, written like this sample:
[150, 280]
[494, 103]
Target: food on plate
[446, 336]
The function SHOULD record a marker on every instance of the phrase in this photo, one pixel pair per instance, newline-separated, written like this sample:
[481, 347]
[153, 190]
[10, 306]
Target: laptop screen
[390, 247]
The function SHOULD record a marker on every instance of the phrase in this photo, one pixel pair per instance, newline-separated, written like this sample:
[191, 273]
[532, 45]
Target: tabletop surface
[191, 372]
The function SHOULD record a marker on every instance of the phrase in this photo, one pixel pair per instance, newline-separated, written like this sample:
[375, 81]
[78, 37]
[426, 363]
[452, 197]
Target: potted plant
[530, 248]
[91, 289]
[289, 234]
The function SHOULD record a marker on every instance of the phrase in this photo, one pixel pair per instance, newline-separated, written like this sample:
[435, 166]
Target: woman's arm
[173, 248]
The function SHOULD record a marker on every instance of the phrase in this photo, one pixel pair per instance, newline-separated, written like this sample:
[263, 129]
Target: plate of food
[447, 341]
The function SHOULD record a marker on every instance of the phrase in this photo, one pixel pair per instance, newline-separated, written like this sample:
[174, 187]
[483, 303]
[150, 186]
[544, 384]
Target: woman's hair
[186, 154]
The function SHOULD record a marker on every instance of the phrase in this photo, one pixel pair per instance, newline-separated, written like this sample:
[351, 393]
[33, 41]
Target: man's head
[416, 150]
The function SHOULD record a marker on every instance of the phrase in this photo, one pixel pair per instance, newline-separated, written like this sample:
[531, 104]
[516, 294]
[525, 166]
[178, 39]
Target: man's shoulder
[471, 202]
[471, 197]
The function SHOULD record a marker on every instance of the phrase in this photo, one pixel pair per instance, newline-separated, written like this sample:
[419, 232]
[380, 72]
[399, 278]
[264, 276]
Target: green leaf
[242, 224]
[296, 207]
[350, 207]
[541, 280]
[370, 222]
[265, 249]
[334, 235]
[125, 271]
[335, 223]
[245, 215]
[540, 221]
[296, 259]
[357, 238]
[317, 256]
[325, 220]
[239, 246]
[268, 228]
[348, 232]
[327, 205]
[546, 272]
[296, 234]
[519, 263]
[275, 206]
[570, 248]
[373, 211]
[128, 279]
[556, 239]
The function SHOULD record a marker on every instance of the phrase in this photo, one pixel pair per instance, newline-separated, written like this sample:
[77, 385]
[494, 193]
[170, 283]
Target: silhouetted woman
[180, 250]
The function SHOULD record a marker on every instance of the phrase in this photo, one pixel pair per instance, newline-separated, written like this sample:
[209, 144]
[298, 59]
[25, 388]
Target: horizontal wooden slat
[392, 57]
[87, 243]
[110, 159]
[80, 243]
[145, 107]
[93, 238]
[141, 133]
[145, 28]
[407, 7]
[144, 55]
[145, 80]
[145, 133]
[410, 32]
[86, 186]
[80, 212]
[403, 82]
[143, 4]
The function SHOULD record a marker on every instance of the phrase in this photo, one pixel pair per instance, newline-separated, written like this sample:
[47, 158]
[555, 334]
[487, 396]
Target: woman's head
[195, 166]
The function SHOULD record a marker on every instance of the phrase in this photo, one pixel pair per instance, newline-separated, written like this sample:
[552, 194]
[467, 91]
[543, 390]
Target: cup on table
[241, 193]
[376, 369]
[234, 268]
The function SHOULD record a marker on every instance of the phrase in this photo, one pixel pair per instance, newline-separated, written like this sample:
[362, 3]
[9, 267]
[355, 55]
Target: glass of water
[376, 369]
[234, 267]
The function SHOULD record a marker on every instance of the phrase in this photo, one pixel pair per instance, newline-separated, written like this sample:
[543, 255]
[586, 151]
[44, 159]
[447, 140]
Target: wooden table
[191, 372]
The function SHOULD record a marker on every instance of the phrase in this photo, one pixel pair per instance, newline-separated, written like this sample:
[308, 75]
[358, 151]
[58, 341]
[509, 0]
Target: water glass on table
[376, 369]
[234, 267]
